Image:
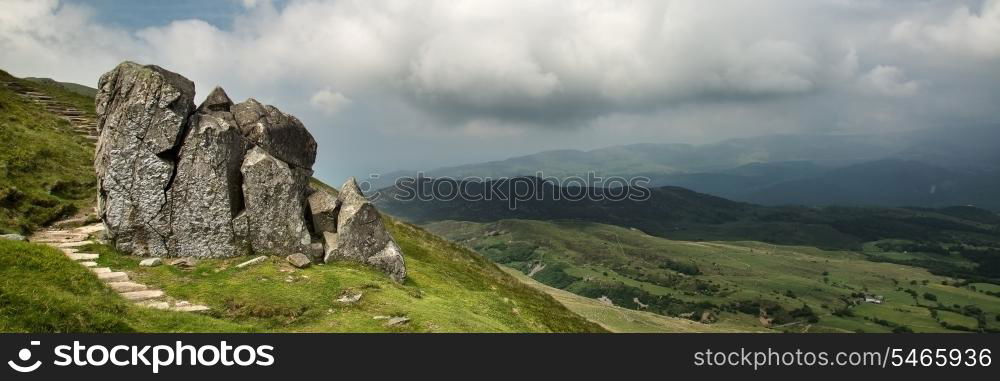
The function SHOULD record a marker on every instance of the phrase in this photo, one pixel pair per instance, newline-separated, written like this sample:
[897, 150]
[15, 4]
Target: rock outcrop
[220, 180]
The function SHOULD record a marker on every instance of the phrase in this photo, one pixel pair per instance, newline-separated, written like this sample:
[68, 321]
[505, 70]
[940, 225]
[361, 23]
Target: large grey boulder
[361, 236]
[274, 194]
[142, 113]
[207, 191]
[280, 134]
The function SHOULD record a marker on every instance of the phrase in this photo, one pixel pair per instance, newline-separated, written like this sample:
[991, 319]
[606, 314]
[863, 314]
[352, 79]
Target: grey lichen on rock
[280, 134]
[142, 113]
[274, 196]
[207, 185]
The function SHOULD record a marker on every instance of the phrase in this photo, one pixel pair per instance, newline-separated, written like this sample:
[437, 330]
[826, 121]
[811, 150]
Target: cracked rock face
[361, 236]
[142, 112]
[221, 180]
[206, 191]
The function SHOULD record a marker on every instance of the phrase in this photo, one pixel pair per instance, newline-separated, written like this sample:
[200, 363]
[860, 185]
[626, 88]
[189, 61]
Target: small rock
[252, 262]
[380, 317]
[13, 237]
[184, 263]
[349, 298]
[316, 251]
[151, 262]
[299, 260]
[397, 321]
[323, 208]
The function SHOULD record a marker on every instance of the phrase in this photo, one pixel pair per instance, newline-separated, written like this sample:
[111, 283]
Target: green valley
[743, 284]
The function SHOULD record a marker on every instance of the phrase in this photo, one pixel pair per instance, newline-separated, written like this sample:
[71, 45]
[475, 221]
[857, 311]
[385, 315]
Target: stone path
[70, 240]
[83, 124]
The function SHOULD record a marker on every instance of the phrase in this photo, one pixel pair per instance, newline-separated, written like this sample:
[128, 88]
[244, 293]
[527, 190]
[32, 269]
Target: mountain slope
[45, 166]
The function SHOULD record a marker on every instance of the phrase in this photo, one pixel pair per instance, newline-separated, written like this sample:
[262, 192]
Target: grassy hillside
[43, 291]
[48, 83]
[448, 289]
[46, 171]
[738, 284]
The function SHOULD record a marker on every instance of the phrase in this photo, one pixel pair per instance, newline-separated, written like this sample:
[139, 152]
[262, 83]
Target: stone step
[82, 257]
[59, 236]
[142, 295]
[88, 264]
[154, 304]
[191, 308]
[113, 277]
[90, 229]
[74, 244]
[100, 270]
[127, 286]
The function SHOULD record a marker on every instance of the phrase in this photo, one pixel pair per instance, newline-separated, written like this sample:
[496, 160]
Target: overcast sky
[397, 84]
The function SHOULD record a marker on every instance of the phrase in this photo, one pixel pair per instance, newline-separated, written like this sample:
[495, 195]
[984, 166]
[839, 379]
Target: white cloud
[494, 58]
[965, 30]
[329, 102]
[889, 80]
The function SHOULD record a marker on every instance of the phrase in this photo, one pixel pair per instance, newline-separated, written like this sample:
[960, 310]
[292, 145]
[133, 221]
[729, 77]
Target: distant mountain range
[926, 168]
[679, 213]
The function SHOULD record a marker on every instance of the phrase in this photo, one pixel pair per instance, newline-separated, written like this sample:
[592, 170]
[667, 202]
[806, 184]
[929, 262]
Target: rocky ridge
[220, 180]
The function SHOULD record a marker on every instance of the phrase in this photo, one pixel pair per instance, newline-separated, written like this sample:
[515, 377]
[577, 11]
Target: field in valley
[735, 285]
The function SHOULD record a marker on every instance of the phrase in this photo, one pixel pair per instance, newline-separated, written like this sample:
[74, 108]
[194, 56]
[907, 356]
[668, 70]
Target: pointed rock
[361, 236]
[217, 101]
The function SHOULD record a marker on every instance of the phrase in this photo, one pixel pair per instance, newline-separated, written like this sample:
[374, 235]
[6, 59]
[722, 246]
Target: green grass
[448, 289]
[623, 320]
[41, 290]
[46, 171]
[593, 259]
